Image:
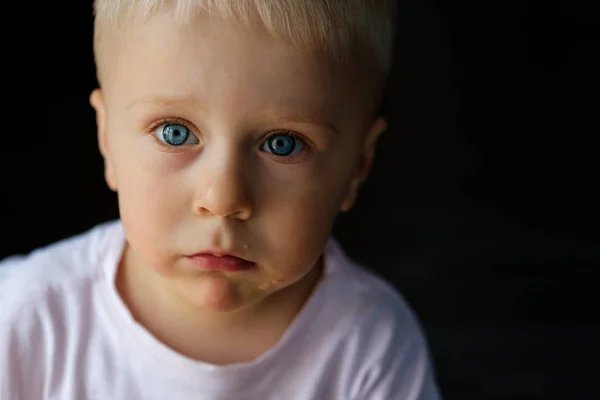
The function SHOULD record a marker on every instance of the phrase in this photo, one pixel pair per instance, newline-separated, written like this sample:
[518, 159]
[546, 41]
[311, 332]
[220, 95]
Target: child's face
[217, 139]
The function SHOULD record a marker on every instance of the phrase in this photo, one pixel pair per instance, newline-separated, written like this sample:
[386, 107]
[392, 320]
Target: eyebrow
[307, 119]
[178, 101]
[169, 101]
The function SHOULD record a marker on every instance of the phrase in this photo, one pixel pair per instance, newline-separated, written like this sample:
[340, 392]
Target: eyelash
[166, 121]
[308, 145]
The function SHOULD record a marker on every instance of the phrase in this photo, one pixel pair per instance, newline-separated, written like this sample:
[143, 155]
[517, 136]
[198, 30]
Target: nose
[222, 186]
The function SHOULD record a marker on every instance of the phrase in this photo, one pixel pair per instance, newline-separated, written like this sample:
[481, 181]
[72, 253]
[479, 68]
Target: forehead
[220, 63]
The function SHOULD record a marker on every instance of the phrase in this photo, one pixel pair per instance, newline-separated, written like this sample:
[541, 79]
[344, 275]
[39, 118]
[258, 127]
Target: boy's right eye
[175, 135]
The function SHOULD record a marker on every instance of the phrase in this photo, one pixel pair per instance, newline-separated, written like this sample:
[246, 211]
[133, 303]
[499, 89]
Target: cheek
[295, 232]
[299, 212]
[146, 183]
[146, 238]
[150, 204]
[148, 197]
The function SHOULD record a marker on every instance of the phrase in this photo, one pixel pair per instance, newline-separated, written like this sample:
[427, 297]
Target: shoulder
[43, 296]
[376, 303]
[386, 342]
[28, 280]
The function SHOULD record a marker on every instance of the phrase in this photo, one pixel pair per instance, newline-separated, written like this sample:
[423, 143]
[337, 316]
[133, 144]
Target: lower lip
[225, 263]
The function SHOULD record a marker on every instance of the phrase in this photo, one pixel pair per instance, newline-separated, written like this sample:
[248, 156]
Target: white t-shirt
[66, 334]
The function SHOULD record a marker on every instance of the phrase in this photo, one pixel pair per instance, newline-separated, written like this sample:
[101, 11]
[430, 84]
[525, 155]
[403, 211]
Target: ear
[365, 162]
[97, 102]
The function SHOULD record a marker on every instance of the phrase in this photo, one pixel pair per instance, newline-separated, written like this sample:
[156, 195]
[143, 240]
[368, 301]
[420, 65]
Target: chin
[215, 293]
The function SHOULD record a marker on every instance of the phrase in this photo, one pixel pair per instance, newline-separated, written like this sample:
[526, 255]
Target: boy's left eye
[283, 145]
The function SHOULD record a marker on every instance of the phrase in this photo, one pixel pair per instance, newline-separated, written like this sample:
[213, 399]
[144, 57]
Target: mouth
[215, 261]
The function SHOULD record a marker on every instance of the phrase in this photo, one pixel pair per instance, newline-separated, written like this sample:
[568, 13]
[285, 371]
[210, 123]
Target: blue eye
[283, 145]
[175, 135]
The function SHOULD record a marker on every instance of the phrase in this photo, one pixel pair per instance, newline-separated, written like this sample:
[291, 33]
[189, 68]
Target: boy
[234, 132]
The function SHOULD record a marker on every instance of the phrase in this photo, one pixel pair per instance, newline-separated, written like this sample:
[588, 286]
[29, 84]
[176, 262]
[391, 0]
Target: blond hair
[349, 31]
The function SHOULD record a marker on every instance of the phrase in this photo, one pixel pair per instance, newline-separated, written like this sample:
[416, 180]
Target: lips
[220, 262]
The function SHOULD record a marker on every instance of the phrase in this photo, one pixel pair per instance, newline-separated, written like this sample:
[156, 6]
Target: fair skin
[231, 95]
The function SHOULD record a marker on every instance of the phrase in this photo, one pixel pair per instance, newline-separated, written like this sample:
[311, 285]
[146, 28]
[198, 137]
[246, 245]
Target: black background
[482, 208]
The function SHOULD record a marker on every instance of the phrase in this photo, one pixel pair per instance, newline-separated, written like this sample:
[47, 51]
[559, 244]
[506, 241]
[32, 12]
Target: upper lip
[219, 253]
